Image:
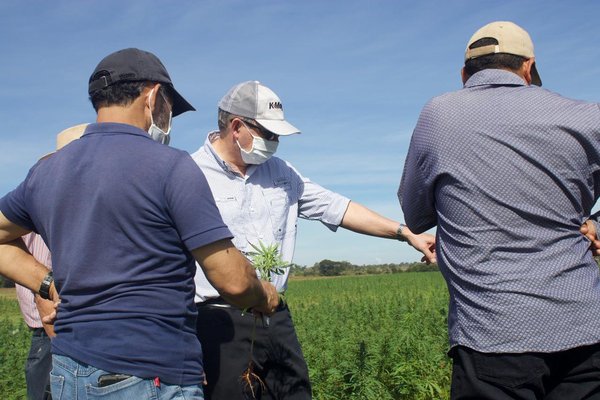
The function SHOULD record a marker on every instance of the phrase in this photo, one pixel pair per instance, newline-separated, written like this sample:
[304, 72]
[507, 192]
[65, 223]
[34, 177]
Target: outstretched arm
[361, 219]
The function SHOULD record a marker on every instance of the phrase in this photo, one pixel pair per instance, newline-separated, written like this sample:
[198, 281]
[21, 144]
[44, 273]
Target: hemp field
[14, 339]
[371, 337]
[374, 337]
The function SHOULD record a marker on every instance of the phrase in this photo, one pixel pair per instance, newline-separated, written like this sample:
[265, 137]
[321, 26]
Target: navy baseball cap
[135, 65]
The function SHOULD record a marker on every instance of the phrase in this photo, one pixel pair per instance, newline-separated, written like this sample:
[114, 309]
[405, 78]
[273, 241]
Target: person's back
[118, 254]
[515, 169]
[509, 173]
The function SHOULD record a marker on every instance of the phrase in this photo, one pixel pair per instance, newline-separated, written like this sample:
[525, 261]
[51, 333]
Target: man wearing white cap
[260, 198]
[509, 172]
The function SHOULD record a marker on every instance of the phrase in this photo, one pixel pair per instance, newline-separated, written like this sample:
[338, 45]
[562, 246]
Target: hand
[51, 317]
[46, 308]
[271, 301]
[588, 229]
[425, 243]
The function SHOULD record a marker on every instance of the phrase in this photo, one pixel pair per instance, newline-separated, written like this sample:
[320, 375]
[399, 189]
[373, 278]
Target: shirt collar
[494, 77]
[114, 128]
[210, 150]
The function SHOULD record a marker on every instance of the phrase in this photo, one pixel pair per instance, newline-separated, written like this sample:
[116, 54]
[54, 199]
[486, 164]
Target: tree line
[339, 268]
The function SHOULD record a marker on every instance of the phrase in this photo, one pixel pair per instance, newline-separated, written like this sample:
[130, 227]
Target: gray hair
[224, 118]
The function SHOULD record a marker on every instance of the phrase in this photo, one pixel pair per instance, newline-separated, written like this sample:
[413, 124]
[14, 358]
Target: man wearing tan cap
[125, 217]
[509, 172]
[261, 197]
[33, 307]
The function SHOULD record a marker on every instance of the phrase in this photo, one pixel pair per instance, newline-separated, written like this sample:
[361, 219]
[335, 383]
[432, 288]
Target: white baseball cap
[254, 100]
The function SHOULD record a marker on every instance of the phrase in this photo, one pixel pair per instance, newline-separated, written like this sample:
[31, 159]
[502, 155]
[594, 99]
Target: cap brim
[535, 76]
[180, 105]
[278, 127]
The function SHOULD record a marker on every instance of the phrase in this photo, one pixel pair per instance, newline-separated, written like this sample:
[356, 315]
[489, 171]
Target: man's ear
[526, 69]
[234, 126]
[150, 92]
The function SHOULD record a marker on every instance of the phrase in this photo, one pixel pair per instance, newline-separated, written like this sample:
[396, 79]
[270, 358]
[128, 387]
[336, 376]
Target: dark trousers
[225, 335]
[566, 375]
[38, 366]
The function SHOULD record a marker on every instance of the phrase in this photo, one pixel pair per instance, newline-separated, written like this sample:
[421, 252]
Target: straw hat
[67, 136]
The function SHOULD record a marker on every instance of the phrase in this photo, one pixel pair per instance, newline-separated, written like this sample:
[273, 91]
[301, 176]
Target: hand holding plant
[268, 262]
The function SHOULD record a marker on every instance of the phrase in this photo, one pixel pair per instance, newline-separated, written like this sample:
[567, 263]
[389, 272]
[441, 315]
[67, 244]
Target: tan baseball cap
[512, 39]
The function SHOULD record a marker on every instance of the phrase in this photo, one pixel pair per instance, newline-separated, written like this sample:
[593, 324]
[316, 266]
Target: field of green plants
[364, 337]
[14, 346]
[374, 337]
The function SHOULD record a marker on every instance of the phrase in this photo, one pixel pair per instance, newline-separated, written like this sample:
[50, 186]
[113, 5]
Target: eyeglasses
[268, 135]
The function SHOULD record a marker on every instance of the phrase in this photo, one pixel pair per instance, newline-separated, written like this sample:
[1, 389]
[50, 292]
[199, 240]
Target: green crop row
[374, 337]
[15, 338]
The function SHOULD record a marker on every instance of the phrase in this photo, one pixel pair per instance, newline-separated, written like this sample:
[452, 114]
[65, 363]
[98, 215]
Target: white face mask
[261, 150]
[155, 132]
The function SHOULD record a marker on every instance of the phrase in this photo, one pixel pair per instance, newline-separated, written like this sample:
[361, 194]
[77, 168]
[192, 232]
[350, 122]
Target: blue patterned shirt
[508, 173]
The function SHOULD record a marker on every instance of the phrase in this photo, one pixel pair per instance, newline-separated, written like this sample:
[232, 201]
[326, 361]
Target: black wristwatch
[44, 291]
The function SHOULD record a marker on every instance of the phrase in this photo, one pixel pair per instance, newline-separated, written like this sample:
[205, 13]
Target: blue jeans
[70, 379]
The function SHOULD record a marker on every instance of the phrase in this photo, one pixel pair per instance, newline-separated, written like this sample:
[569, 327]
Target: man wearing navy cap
[125, 217]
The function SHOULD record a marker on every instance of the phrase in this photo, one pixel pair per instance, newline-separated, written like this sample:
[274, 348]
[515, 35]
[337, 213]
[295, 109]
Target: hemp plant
[268, 262]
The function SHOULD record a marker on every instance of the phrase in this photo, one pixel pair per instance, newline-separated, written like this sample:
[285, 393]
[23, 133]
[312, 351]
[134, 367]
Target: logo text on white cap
[275, 104]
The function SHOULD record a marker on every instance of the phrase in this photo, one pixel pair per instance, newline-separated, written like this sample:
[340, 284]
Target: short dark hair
[492, 61]
[223, 119]
[118, 94]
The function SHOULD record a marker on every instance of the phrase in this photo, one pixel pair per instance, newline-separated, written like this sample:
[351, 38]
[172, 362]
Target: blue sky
[352, 75]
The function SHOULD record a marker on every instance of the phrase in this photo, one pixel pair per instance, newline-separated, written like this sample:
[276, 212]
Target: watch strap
[44, 291]
[399, 234]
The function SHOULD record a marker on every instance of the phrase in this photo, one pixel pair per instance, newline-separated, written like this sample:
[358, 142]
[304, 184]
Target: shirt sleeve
[417, 190]
[317, 203]
[14, 206]
[192, 206]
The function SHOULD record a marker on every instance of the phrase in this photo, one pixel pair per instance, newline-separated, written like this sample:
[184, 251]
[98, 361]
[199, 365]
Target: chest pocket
[278, 199]
[229, 209]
